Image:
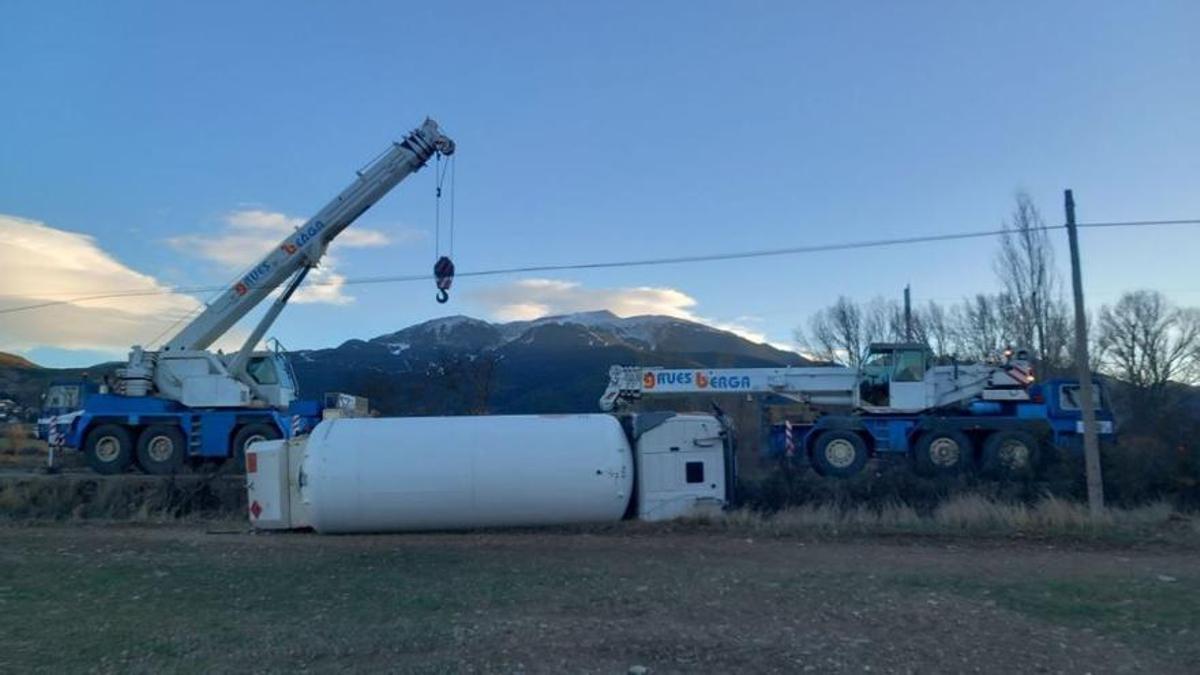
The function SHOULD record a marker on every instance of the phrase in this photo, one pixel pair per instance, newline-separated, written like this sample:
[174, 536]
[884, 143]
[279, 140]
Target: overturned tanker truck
[445, 473]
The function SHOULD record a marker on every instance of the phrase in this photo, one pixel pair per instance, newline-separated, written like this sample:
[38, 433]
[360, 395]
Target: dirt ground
[212, 597]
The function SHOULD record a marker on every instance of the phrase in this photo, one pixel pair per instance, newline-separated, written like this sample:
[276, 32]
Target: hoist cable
[437, 205]
[453, 192]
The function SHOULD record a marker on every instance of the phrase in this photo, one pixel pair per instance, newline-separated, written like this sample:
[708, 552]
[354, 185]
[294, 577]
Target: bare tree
[978, 327]
[1032, 303]
[883, 321]
[836, 333]
[937, 327]
[844, 331]
[1149, 343]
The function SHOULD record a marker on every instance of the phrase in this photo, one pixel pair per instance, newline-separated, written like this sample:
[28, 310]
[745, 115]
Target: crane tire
[161, 449]
[108, 449]
[943, 452]
[839, 453]
[251, 433]
[1011, 454]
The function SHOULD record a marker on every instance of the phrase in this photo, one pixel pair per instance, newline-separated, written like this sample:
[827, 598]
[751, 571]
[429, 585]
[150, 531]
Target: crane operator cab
[271, 373]
[893, 376]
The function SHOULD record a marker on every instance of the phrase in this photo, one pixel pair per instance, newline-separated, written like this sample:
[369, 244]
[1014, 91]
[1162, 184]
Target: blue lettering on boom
[731, 382]
[668, 377]
[306, 235]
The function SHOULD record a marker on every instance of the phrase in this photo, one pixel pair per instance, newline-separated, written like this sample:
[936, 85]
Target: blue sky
[596, 131]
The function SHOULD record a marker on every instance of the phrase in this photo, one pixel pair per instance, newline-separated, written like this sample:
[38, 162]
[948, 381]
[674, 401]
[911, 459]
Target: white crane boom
[186, 372]
[304, 247]
[819, 385]
[895, 378]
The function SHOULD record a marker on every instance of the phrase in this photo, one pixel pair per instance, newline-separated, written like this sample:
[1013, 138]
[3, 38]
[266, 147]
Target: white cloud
[323, 285]
[533, 298]
[257, 219]
[40, 263]
[249, 234]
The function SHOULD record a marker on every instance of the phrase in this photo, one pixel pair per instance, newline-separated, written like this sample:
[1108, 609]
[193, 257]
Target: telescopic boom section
[304, 247]
[832, 385]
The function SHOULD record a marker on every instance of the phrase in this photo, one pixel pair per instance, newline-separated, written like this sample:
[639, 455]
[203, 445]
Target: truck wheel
[1010, 454]
[108, 449]
[161, 449]
[839, 453]
[943, 452]
[251, 433]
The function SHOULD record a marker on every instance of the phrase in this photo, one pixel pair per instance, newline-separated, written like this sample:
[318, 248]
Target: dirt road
[154, 598]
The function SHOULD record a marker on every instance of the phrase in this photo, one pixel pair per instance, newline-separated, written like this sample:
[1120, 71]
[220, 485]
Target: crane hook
[443, 273]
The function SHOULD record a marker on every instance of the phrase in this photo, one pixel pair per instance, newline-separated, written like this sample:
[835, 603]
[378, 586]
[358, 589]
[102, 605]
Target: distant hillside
[459, 364]
[24, 381]
[13, 361]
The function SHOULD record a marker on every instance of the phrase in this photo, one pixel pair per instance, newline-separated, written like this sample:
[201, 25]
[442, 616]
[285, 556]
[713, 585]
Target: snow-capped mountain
[551, 364]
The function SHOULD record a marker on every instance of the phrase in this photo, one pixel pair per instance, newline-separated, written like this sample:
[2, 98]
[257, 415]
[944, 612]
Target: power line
[1137, 223]
[646, 262]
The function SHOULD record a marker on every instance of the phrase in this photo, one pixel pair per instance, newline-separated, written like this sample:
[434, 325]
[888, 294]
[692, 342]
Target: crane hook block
[443, 273]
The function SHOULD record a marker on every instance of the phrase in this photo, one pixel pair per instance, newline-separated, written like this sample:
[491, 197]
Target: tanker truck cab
[684, 465]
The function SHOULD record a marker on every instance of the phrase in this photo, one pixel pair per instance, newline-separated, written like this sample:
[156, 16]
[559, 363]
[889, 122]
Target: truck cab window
[910, 366]
[262, 370]
[1071, 399]
[876, 372]
[695, 472]
[62, 397]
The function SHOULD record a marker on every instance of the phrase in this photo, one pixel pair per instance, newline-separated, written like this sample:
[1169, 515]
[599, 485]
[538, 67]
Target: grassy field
[210, 597]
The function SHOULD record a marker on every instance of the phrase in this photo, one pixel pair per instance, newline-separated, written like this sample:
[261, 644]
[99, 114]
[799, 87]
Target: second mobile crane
[185, 402]
[899, 401]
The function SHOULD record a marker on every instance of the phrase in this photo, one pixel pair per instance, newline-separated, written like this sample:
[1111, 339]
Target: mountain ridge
[550, 364]
[460, 364]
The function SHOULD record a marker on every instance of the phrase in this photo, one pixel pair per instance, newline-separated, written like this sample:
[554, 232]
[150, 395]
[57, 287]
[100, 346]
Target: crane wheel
[839, 453]
[251, 433]
[1011, 454]
[161, 449]
[108, 449]
[943, 452]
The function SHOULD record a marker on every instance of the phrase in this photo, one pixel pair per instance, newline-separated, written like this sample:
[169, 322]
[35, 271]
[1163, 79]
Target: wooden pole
[1087, 395]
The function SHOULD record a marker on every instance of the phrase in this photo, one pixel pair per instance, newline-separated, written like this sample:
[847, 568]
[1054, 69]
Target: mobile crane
[185, 402]
[947, 418]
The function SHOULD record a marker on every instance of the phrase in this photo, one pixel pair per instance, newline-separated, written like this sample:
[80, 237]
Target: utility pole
[1087, 395]
[907, 314]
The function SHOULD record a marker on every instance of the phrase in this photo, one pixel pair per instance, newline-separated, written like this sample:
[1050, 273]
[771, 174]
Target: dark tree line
[1029, 311]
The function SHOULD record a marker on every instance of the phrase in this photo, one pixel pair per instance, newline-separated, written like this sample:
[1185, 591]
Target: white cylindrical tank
[429, 473]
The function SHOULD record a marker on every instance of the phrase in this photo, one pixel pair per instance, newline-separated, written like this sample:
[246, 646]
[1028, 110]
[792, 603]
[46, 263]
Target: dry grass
[19, 448]
[125, 498]
[147, 498]
[15, 438]
[970, 515]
